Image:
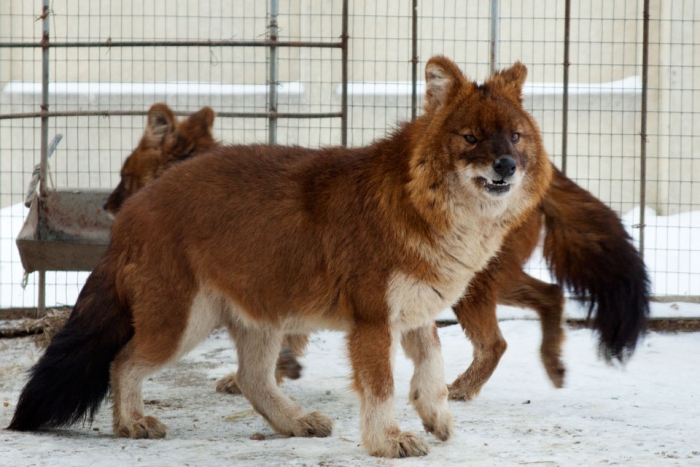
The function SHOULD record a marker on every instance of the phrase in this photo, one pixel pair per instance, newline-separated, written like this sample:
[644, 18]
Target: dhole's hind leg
[476, 313]
[370, 348]
[156, 342]
[127, 373]
[258, 349]
[287, 364]
[428, 390]
[548, 301]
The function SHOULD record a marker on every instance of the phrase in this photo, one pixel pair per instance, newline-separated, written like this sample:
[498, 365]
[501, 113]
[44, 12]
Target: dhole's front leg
[370, 349]
[258, 348]
[428, 390]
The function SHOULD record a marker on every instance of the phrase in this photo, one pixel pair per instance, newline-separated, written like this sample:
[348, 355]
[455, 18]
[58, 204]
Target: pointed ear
[442, 78]
[203, 118]
[160, 123]
[511, 80]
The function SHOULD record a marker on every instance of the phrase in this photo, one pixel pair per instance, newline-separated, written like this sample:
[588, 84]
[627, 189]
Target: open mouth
[496, 187]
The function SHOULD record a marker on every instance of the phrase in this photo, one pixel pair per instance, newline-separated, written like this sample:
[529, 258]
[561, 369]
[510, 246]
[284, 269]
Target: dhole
[164, 142]
[586, 247]
[271, 240]
[585, 244]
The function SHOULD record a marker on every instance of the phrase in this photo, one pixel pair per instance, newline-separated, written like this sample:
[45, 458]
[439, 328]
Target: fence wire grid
[616, 96]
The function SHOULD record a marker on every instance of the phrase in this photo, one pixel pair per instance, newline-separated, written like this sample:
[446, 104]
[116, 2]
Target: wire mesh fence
[628, 140]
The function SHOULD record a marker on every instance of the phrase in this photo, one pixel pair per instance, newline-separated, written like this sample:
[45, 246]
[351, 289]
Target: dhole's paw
[440, 426]
[228, 385]
[313, 424]
[402, 444]
[435, 414]
[461, 391]
[287, 365]
[144, 428]
[555, 369]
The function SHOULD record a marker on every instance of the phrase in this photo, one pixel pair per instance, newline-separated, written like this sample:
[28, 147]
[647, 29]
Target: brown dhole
[585, 244]
[271, 240]
[164, 142]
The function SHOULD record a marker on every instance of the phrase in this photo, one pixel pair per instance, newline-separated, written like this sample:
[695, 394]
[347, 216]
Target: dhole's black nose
[504, 166]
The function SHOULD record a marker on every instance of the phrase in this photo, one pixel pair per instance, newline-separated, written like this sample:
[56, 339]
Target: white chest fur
[456, 259]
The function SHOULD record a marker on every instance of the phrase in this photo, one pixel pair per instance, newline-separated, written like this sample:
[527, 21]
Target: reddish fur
[164, 142]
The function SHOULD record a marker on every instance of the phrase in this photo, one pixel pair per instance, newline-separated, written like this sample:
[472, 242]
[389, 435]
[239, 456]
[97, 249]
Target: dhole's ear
[511, 80]
[442, 78]
[160, 123]
[204, 117]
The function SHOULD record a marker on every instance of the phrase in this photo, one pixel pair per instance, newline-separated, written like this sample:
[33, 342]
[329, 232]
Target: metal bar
[344, 64]
[414, 60]
[43, 166]
[643, 131]
[272, 74]
[44, 96]
[206, 43]
[136, 113]
[41, 298]
[494, 36]
[565, 97]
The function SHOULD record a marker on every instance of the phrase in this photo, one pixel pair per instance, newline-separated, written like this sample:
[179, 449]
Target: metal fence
[613, 86]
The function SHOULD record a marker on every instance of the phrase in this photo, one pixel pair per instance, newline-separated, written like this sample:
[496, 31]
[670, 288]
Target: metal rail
[205, 43]
[120, 113]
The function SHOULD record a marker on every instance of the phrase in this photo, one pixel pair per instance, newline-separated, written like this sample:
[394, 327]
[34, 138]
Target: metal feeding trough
[66, 230]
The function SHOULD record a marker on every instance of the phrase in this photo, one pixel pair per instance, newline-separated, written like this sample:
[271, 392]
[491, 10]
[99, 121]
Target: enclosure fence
[612, 85]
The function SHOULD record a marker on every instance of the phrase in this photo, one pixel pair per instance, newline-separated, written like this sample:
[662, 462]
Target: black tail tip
[24, 420]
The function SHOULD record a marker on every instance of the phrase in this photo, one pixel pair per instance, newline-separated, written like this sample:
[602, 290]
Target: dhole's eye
[515, 137]
[470, 139]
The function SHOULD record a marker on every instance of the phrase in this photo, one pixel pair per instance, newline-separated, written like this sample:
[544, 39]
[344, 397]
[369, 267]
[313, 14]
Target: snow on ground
[647, 413]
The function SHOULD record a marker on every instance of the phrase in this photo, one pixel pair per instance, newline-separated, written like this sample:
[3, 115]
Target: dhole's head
[164, 142]
[483, 134]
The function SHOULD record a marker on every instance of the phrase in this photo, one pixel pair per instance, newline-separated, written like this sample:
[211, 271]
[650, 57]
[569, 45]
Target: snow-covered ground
[647, 413]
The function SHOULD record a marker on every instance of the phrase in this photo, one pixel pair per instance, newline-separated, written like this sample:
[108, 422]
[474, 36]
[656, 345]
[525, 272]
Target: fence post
[273, 74]
[643, 131]
[494, 36]
[43, 164]
[565, 96]
[344, 97]
[414, 60]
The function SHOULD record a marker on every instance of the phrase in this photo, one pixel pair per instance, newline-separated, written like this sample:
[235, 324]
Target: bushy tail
[589, 251]
[71, 379]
